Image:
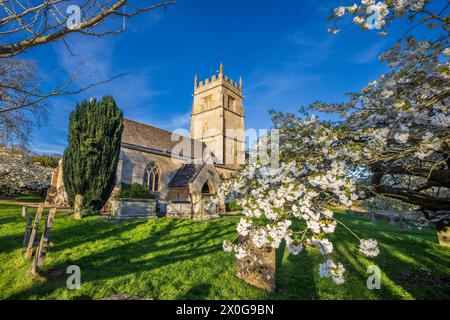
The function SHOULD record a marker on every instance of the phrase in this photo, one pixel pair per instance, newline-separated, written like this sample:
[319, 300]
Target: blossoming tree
[398, 126]
[396, 130]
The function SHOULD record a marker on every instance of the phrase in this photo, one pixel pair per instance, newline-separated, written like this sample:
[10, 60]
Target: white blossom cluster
[331, 270]
[301, 189]
[369, 247]
[397, 128]
[415, 104]
[385, 12]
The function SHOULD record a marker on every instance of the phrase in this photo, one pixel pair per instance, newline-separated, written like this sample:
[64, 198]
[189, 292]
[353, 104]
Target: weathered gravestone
[37, 220]
[443, 232]
[258, 267]
[78, 207]
[41, 250]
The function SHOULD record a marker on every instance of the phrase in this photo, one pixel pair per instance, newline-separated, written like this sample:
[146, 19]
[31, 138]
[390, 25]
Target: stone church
[183, 172]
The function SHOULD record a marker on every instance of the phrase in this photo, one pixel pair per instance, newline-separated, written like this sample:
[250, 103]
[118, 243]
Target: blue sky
[281, 49]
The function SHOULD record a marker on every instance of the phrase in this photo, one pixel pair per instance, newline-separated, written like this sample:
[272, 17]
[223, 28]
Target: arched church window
[152, 176]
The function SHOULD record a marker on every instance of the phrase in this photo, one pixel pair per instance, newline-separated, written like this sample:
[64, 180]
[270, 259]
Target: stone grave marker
[258, 267]
[443, 232]
[78, 207]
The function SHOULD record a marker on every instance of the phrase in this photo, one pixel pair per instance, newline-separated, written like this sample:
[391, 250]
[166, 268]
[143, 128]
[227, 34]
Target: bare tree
[17, 81]
[25, 24]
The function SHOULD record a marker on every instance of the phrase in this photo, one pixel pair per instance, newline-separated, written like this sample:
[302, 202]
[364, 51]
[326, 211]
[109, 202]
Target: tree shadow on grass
[409, 269]
[294, 274]
[413, 264]
[198, 292]
[156, 250]
[12, 219]
[15, 221]
[418, 271]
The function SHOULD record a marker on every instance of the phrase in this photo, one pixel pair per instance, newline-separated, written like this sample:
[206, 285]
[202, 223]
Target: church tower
[218, 117]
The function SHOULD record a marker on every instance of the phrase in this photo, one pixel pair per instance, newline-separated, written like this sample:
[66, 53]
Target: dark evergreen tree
[90, 160]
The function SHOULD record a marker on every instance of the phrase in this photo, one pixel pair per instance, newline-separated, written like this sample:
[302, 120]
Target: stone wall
[133, 163]
[16, 176]
[179, 209]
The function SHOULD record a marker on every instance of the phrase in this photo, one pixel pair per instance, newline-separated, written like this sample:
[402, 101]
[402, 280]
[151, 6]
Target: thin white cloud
[48, 148]
[370, 54]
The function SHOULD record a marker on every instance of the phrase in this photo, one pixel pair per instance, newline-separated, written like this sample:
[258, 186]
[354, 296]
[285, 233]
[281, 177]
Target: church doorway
[206, 207]
[206, 190]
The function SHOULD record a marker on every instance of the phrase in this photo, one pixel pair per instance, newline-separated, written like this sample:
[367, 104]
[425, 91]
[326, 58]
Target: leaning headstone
[37, 220]
[78, 207]
[443, 232]
[41, 250]
[258, 267]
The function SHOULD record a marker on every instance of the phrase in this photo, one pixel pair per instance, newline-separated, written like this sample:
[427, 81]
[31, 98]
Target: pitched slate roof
[184, 175]
[143, 135]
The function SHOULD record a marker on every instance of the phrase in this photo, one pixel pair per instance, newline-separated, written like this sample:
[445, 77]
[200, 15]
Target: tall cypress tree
[90, 160]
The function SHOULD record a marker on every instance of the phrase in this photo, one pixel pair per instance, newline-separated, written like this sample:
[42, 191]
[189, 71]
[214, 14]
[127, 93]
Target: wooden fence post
[37, 220]
[45, 236]
[41, 250]
[24, 211]
[26, 237]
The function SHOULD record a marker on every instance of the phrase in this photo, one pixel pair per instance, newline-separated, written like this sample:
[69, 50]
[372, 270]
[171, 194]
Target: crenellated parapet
[217, 79]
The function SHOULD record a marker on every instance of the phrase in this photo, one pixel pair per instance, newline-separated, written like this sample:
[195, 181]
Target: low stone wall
[179, 209]
[133, 208]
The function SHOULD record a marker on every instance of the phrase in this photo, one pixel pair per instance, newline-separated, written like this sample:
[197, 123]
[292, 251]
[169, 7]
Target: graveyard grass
[180, 259]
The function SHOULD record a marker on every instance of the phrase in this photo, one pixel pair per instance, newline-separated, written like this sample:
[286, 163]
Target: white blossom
[330, 270]
[227, 246]
[339, 12]
[244, 226]
[240, 252]
[369, 247]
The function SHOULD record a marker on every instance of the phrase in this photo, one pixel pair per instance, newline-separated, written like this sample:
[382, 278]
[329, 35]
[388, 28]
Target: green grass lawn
[180, 259]
[26, 197]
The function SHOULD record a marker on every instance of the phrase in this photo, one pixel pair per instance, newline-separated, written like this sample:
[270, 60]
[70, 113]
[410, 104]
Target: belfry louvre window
[231, 103]
[152, 177]
[207, 103]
